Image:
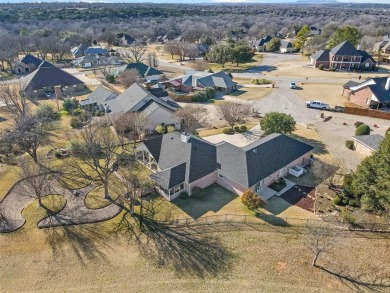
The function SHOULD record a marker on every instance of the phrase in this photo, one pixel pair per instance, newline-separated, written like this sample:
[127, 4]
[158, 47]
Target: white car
[293, 85]
[317, 105]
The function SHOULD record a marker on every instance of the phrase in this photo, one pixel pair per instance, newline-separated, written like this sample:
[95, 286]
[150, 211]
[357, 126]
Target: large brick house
[373, 93]
[180, 162]
[343, 57]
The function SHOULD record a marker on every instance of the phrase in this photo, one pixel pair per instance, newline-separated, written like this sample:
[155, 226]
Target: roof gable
[345, 49]
[30, 59]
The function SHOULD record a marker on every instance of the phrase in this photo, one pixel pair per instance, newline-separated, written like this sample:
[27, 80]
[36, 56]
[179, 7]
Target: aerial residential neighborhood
[195, 147]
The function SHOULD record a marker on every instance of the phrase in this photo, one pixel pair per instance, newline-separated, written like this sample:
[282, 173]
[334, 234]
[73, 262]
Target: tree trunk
[313, 263]
[40, 201]
[106, 195]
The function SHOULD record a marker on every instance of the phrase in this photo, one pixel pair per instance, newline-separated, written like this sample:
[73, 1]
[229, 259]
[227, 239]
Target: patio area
[267, 192]
[238, 139]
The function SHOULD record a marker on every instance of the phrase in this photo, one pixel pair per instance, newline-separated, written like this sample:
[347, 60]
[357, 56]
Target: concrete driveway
[238, 139]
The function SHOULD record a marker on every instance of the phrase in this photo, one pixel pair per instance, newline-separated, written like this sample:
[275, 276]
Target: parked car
[293, 85]
[339, 109]
[317, 105]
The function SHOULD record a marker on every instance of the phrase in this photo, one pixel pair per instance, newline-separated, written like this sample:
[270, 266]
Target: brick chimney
[387, 86]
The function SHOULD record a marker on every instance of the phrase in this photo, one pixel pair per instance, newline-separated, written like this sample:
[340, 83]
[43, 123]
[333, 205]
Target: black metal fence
[264, 219]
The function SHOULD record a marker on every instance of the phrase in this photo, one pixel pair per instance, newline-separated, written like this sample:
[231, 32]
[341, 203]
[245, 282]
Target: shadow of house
[210, 199]
[319, 146]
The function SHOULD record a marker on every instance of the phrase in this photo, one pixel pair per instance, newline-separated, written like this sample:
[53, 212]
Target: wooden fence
[367, 112]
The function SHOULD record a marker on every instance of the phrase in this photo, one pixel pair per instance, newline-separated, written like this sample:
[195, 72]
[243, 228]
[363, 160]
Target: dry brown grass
[327, 93]
[256, 61]
[214, 131]
[251, 93]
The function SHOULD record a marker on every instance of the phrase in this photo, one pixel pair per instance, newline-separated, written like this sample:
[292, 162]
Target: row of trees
[234, 52]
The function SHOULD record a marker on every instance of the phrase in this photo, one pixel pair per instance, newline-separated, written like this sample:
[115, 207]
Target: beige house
[367, 144]
[181, 162]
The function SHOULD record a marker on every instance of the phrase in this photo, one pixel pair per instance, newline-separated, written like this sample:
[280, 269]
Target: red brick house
[343, 57]
[373, 93]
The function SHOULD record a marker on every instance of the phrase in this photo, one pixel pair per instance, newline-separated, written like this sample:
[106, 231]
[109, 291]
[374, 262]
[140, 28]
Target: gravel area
[75, 212]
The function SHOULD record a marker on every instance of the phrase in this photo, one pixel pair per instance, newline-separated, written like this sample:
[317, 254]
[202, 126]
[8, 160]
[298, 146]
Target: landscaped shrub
[363, 130]
[321, 67]
[110, 78]
[237, 128]
[243, 128]
[265, 81]
[58, 154]
[350, 144]
[252, 200]
[46, 113]
[171, 128]
[228, 131]
[210, 92]
[76, 112]
[358, 123]
[76, 122]
[337, 200]
[199, 97]
[347, 217]
[161, 129]
[70, 104]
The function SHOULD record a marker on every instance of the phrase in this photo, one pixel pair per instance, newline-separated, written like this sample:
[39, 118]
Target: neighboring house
[83, 50]
[147, 72]
[47, 76]
[126, 40]
[260, 45]
[200, 80]
[181, 162]
[343, 57]
[315, 31]
[367, 144]
[386, 48]
[89, 61]
[155, 104]
[28, 64]
[286, 47]
[373, 93]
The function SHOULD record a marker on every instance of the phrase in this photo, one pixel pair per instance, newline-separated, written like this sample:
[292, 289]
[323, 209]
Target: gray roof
[246, 166]
[170, 177]
[345, 49]
[30, 59]
[48, 75]
[100, 95]
[218, 79]
[370, 141]
[95, 51]
[198, 156]
[135, 98]
[366, 56]
[285, 44]
[257, 161]
[321, 55]
[350, 83]
[379, 89]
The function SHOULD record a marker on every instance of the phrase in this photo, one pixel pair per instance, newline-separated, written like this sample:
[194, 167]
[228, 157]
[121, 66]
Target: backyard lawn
[250, 93]
[214, 131]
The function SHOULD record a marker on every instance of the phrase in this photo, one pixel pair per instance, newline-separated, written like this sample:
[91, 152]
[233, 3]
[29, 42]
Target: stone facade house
[46, 77]
[27, 64]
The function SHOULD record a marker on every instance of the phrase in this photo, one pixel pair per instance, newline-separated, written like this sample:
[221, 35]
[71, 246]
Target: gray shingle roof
[101, 94]
[257, 161]
[379, 89]
[170, 177]
[345, 49]
[285, 44]
[371, 141]
[350, 83]
[321, 55]
[169, 151]
[95, 51]
[218, 79]
[30, 59]
[48, 75]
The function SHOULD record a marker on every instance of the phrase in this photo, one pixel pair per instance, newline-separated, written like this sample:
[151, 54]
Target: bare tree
[319, 238]
[28, 133]
[94, 153]
[190, 116]
[201, 65]
[233, 112]
[129, 125]
[36, 177]
[152, 59]
[8, 52]
[137, 51]
[172, 49]
[15, 102]
[128, 77]
[189, 50]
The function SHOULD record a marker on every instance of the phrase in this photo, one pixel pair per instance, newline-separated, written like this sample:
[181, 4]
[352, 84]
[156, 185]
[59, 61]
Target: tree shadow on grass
[362, 282]
[85, 241]
[173, 247]
[189, 255]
